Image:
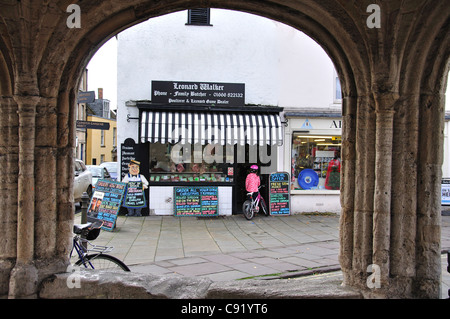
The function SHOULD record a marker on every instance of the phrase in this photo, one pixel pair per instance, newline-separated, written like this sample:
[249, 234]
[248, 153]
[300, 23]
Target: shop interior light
[329, 144]
[320, 140]
[313, 136]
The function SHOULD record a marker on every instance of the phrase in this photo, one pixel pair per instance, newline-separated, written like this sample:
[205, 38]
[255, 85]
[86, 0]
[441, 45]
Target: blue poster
[105, 202]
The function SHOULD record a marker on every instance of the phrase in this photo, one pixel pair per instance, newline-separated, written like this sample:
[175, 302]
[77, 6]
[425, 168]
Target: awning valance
[211, 128]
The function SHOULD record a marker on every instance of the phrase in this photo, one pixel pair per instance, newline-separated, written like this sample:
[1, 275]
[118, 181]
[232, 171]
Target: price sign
[279, 196]
[196, 201]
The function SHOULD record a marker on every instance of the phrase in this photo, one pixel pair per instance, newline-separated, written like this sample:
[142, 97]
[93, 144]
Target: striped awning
[211, 128]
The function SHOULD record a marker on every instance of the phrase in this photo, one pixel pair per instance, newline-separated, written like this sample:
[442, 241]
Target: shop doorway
[242, 169]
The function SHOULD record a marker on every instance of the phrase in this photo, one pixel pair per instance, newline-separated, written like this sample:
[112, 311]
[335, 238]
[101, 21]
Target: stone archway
[393, 96]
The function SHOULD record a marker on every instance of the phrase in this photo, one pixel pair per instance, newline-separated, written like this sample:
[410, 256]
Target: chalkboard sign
[135, 197]
[105, 202]
[279, 193]
[129, 150]
[196, 201]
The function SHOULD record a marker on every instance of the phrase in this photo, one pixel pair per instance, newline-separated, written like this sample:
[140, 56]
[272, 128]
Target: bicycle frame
[82, 252]
[255, 202]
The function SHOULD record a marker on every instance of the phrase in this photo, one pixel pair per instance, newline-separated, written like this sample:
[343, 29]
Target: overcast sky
[102, 72]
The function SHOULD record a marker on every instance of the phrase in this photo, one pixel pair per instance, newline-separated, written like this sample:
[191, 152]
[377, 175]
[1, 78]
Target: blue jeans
[134, 212]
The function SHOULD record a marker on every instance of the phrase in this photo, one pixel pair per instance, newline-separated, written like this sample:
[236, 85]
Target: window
[199, 17]
[106, 109]
[102, 138]
[189, 163]
[315, 161]
[338, 92]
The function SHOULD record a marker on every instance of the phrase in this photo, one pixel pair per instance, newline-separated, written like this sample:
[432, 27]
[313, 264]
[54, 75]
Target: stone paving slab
[231, 248]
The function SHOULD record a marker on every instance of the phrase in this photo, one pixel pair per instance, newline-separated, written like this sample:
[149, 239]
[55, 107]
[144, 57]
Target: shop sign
[196, 201]
[279, 193]
[198, 93]
[105, 203]
[129, 150]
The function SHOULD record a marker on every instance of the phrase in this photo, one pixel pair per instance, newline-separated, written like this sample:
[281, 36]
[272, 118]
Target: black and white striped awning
[211, 128]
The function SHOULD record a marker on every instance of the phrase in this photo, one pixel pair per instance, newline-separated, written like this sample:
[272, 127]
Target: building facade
[101, 143]
[286, 79]
[80, 142]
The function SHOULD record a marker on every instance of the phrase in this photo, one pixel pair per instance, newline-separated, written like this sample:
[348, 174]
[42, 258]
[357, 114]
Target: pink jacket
[252, 182]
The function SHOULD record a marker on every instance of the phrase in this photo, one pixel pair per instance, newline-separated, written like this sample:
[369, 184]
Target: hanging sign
[135, 197]
[105, 203]
[93, 125]
[86, 97]
[279, 193]
[196, 201]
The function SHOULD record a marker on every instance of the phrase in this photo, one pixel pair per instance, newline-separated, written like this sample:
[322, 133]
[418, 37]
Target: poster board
[445, 191]
[279, 195]
[135, 196]
[105, 203]
[196, 201]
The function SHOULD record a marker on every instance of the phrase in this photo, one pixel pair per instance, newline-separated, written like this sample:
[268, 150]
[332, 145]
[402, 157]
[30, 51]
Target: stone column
[391, 217]
[382, 194]
[428, 225]
[8, 189]
[24, 274]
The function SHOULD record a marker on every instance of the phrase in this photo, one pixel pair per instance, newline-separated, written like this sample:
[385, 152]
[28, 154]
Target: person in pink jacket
[253, 181]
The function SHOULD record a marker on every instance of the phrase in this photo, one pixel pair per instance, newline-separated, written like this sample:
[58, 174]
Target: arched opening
[141, 87]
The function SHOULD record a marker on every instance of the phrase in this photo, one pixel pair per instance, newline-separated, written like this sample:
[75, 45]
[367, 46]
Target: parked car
[82, 182]
[98, 172]
[112, 169]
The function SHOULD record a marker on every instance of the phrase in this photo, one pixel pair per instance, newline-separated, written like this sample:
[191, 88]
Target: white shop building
[231, 91]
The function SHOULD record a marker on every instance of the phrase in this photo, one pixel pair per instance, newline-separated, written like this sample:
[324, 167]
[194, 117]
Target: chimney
[100, 94]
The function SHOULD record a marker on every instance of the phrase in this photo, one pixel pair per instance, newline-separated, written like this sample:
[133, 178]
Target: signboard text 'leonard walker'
[202, 86]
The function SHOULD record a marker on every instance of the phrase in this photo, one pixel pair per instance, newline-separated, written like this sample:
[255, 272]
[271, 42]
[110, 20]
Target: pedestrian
[252, 182]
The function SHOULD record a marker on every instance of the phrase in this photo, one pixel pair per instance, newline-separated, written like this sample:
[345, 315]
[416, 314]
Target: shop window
[315, 162]
[190, 163]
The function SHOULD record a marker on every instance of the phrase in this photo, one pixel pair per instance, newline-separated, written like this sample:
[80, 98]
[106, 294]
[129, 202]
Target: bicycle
[96, 257]
[251, 206]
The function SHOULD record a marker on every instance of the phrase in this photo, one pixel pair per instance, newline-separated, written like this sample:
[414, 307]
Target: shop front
[313, 157]
[196, 157]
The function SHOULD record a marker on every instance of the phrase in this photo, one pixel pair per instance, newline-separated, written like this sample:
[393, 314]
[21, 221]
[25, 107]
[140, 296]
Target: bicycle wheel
[247, 210]
[263, 205]
[102, 262]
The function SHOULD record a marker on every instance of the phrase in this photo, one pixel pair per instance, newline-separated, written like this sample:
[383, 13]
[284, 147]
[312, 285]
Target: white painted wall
[279, 65]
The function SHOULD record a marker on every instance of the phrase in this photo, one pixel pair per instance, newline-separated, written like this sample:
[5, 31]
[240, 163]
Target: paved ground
[229, 248]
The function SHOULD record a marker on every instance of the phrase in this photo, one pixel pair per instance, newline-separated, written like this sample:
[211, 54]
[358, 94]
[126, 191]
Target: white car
[82, 182]
[112, 169]
[98, 172]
